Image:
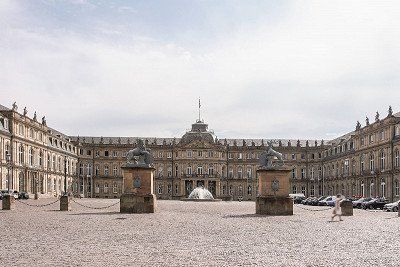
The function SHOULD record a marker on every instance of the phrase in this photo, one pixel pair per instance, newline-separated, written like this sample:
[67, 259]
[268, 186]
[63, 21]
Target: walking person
[337, 211]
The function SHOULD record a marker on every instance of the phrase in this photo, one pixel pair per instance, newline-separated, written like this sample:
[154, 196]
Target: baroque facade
[364, 162]
[38, 154]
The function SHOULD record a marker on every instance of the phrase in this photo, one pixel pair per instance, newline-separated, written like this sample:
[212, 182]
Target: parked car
[358, 203]
[305, 201]
[315, 201]
[394, 206]
[331, 202]
[298, 199]
[6, 192]
[23, 195]
[324, 202]
[375, 203]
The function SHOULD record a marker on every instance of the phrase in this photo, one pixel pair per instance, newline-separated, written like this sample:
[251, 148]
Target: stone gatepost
[273, 188]
[65, 203]
[138, 189]
[8, 202]
[346, 207]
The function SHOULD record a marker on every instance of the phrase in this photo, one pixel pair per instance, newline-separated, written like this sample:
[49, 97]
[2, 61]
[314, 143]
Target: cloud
[302, 71]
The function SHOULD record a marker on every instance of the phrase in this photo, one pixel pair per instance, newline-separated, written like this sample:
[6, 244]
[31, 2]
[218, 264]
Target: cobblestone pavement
[194, 233]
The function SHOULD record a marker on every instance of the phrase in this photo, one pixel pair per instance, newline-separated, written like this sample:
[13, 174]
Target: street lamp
[65, 176]
[8, 159]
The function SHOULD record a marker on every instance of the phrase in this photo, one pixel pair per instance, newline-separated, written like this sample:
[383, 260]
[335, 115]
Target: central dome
[200, 193]
[199, 132]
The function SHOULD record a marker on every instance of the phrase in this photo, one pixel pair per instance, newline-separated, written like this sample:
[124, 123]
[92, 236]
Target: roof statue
[140, 156]
[390, 111]
[367, 121]
[298, 143]
[377, 117]
[315, 143]
[14, 106]
[25, 111]
[44, 120]
[267, 157]
[358, 126]
[34, 116]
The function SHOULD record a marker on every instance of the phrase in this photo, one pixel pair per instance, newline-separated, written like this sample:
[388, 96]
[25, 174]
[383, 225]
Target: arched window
[372, 162]
[294, 189]
[21, 154]
[383, 188]
[382, 160]
[30, 156]
[40, 158]
[115, 188]
[249, 173]
[240, 172]
[362, 189]
[115, 170]
[211, 170]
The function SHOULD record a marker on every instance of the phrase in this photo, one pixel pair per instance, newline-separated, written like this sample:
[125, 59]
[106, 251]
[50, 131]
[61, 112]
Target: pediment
[198, 144]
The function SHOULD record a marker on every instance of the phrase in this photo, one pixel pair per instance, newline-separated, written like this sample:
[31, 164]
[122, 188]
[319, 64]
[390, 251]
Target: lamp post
[65, 176]
[8, 159]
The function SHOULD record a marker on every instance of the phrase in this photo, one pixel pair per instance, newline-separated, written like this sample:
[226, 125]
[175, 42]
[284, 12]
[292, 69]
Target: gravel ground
[194, 233]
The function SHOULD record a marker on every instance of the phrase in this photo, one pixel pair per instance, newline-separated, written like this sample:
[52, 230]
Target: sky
[263, 69]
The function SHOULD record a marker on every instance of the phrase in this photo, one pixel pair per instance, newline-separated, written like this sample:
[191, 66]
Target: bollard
[8, 202]
[347, 208]
[65, 203]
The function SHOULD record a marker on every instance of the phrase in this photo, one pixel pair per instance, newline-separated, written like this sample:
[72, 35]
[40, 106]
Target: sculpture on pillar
[140, 155]
[390, 111]
[268, 156]
[14, 106]
[377, 117]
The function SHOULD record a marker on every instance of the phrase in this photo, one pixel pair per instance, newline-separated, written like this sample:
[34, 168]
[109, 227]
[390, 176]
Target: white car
[392, 206]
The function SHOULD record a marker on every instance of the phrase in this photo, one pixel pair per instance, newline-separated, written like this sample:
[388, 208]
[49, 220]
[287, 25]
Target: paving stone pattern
[194, 233]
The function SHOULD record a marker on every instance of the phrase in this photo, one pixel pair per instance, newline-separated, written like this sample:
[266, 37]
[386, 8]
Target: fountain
[200, 194]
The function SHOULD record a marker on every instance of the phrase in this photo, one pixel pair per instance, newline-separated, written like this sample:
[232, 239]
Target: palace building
[363, 162]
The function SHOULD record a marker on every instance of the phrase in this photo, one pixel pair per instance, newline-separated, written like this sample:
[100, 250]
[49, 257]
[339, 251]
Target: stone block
[8, 202]
[274, 182]
[134, 203]
[65, 203]
[276, 206]
[347, 208]
[139, 181]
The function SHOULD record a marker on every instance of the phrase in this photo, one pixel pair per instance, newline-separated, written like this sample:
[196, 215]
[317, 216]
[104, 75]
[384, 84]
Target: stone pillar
[347, 208]
[138, 189]
[65, 203]
[8, 202]
[273, 191]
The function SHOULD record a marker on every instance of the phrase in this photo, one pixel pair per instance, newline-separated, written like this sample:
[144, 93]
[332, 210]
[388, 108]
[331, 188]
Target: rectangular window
[115, 154]
[189, 153]
[240, 156]
[230, 156]
[106, 153]
[200, 153]
[115, 170]
[303, 173]
[293, 156]
[160, 154]
[169, 155]
[106, 170]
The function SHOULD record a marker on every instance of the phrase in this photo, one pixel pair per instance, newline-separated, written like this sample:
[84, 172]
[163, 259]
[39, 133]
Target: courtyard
[193, 233]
